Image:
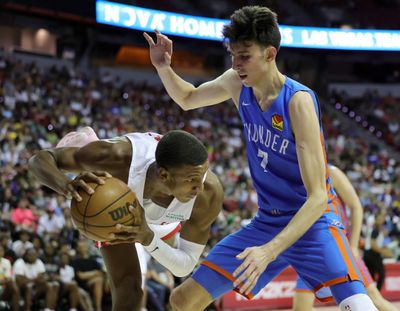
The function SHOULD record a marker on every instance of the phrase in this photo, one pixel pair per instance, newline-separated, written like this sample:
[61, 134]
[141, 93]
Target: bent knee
[178, 300]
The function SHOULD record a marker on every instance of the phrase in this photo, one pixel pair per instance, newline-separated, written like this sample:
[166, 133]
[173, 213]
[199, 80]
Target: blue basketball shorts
[321, 257]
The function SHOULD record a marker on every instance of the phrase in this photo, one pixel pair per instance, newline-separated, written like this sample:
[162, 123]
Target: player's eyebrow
[240, 51]
[193, 175]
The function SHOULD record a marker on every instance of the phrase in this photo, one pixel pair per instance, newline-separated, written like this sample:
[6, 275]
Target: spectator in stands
[89, 273]
[22, 216]
[374, 254]
[8, 288]
[7, 202]
[32, 281]
[23, 243]
[160, 280]
[50, 224]
[70, 287]
[69, 234]
[50, 260]
[5, 242]
[38, 245]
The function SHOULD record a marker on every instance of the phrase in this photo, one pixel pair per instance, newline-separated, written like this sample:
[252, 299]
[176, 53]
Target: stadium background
[60, 70]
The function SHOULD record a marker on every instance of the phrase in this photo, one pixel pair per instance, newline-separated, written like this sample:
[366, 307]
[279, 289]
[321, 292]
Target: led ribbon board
[128, 16]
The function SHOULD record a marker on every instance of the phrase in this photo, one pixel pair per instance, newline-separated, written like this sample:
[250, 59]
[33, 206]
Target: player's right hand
[160, 51]
[81, 182]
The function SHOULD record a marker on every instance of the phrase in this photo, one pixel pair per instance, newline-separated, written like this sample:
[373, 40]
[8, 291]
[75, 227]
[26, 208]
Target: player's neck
[270, 85]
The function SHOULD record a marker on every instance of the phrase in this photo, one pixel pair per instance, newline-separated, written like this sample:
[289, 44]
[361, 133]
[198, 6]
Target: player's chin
[247, 83]
[185, 199]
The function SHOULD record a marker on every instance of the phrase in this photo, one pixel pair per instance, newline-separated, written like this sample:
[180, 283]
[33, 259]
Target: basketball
[97, 214]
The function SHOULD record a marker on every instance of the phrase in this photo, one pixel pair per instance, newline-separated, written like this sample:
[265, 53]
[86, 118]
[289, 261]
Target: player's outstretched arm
[346, 191]
[184, 93]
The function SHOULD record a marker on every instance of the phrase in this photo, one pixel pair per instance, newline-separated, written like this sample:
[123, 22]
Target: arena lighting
[198, 27]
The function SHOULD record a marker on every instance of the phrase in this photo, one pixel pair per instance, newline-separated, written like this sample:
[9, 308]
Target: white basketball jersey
[143, 154]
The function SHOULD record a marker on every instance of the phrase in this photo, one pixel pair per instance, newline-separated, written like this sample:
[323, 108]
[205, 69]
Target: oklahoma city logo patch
[277, 122]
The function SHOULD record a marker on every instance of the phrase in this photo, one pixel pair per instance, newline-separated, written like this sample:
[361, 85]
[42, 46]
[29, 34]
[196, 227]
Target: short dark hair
[178, 148]
[253, 23]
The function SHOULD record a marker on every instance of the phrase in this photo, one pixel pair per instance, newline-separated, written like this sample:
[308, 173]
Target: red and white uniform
[165, 222]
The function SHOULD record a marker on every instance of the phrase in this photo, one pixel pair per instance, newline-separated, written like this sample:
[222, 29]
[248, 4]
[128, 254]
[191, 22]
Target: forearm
[308, 214]
[356, 224]
[178, 89]
[180, 261]
[89, 274]
[44, 167]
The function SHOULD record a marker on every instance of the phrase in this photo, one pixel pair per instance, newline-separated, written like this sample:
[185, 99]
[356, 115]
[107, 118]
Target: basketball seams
[112, 203]
[84, 211]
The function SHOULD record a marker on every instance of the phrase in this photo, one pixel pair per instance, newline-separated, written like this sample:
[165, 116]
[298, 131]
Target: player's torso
[143, 155]
[271, 151]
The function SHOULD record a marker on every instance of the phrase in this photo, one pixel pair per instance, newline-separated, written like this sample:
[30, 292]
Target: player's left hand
[255, 261]
[138, 231]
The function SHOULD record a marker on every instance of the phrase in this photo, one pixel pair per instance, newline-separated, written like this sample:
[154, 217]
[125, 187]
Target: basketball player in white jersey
[170, 177]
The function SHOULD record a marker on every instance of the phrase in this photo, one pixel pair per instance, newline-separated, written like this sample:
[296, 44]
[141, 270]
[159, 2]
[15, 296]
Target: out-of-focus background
[61, 68]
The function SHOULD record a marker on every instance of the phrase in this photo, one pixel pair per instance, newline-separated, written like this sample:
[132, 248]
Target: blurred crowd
[49, 259]
[381, 112]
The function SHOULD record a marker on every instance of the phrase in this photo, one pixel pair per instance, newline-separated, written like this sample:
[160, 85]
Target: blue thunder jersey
[271, 152]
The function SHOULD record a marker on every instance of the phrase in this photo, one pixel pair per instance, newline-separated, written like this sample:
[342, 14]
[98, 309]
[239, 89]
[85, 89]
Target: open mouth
[242, 77]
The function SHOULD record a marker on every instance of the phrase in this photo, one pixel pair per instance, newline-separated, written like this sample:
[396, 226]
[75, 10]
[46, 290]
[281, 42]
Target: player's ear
[270, 54]
[163, 173]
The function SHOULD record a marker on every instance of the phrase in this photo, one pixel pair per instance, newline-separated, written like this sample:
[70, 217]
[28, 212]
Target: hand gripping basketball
[139, 231]
[98, 213]
[81, 182]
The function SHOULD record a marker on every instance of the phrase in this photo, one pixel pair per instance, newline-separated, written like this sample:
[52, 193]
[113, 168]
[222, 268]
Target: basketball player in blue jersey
[347, 198]
[297, 223]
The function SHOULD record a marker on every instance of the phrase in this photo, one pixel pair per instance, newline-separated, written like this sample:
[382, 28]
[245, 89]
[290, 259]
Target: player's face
[187, 181]
[249, 61]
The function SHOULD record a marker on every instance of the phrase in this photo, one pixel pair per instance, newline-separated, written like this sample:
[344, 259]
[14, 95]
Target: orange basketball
[97, 214]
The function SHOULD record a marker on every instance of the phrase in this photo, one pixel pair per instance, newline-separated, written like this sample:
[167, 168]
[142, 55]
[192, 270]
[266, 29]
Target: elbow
[32, 163]
[185, 108]
[181, 274]
[320, 199]
[187, 102]
[184, 105]
[183, 271]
